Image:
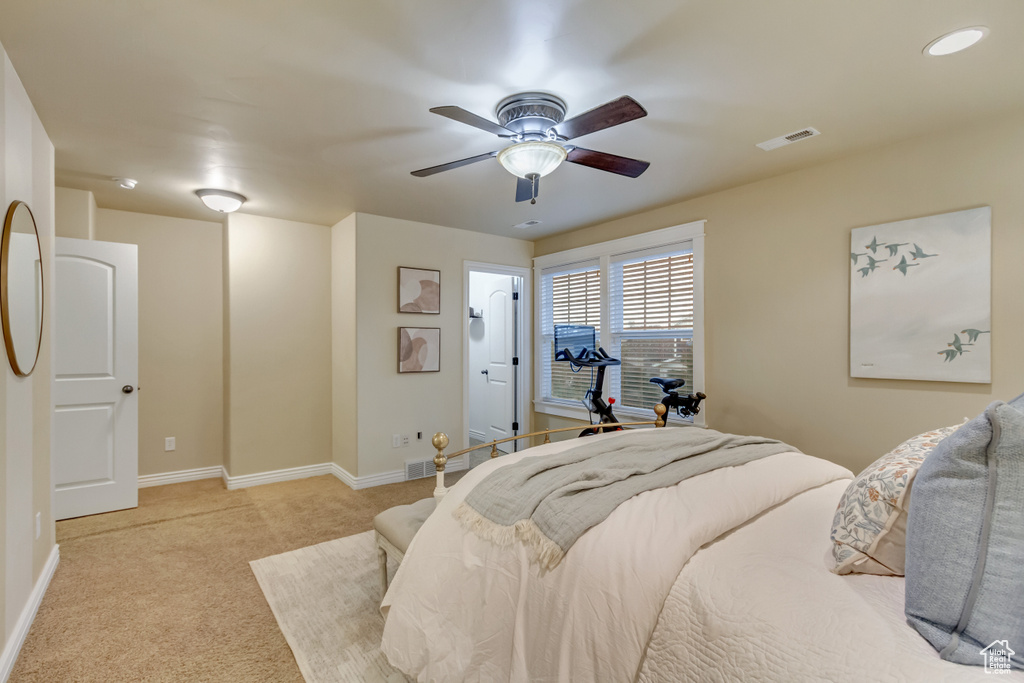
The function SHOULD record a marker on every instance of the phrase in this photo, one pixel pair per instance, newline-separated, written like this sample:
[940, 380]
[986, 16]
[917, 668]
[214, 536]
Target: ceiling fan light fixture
[223, 201]
[525, 159]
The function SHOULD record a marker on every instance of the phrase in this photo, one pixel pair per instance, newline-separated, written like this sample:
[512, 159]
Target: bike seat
[668, 384]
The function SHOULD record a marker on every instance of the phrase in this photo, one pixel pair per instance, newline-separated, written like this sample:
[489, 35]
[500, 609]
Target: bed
[721, 577]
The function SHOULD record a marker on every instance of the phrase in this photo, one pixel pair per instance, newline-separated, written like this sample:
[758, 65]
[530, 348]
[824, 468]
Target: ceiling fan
[534, 122]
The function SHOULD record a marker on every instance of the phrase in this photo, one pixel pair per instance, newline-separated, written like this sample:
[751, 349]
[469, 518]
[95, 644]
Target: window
[651, 301]
[643, 296]
[574, 296]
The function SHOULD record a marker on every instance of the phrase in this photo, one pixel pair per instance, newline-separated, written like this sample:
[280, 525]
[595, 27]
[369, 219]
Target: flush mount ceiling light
[221, 200]
[126, 183]
[958, 40]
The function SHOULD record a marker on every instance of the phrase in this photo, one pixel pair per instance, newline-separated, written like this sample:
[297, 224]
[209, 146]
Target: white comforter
[462, 609]
[759, 605]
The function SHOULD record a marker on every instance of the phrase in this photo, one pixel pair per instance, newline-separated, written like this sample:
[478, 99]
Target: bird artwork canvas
[920, 298]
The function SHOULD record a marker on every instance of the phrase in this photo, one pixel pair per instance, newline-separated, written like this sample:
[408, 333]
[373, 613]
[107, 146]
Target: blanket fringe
[497, 534]
[541, 549]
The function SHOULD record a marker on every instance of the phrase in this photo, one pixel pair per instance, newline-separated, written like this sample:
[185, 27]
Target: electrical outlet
[39, 525]
[169, 443]
[396, 440]
[405, 440]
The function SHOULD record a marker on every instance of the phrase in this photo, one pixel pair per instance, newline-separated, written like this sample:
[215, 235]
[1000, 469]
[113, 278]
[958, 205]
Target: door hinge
[515, 360]
[515, 426]
[515, 296]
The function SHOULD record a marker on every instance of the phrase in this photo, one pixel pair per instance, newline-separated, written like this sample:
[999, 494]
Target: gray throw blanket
[548, 502]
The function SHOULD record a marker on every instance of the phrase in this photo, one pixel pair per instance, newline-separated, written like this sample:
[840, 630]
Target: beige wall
[25, 420]
[391, 403]
[278, 345]
[181, 391]
[344, 379]
[75, 213]
[777, 290]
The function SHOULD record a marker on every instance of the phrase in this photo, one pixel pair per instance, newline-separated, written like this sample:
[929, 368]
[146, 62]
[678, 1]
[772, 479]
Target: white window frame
[603, 252]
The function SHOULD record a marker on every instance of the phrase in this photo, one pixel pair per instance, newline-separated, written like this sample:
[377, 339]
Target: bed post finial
[440, 442]
[660, 410]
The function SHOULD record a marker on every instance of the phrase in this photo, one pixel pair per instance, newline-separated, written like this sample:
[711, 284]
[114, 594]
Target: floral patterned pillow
[869, 528]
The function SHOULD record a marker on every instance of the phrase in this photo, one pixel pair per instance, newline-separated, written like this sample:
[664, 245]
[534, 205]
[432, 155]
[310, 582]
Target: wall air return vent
[795, 136]
[417, 469]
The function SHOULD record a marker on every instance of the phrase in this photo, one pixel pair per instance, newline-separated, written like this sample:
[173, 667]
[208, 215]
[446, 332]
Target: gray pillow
[965, 539]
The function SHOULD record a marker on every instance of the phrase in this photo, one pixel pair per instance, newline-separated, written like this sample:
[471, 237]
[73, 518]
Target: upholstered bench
[394, 529]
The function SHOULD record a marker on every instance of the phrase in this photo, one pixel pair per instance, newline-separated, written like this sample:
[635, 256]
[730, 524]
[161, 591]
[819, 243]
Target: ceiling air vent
[527, 224]
[784, 140]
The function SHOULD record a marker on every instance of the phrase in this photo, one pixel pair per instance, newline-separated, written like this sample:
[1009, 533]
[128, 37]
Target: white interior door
[96, 369]
[499, 319]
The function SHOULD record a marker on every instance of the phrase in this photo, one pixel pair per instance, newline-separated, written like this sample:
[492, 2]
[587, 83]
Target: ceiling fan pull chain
[533, 183]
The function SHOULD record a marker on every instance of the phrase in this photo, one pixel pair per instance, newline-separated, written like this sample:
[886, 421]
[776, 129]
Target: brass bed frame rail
[440, 442]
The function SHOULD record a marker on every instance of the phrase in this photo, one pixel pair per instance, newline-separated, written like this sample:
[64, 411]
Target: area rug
[326, 600]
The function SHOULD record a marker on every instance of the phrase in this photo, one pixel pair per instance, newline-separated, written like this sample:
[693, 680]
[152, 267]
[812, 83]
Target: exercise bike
[685, 406]
[583, 339]
[577, 343]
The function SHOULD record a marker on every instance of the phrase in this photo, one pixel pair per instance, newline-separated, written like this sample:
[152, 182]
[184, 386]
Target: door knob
[127, 389]
[483, 372]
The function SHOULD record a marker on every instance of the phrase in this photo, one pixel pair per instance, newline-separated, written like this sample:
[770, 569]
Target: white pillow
[870, 525]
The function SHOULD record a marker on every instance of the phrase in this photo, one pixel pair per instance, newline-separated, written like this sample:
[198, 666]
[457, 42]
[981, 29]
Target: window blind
[651, 296]
[569, 296]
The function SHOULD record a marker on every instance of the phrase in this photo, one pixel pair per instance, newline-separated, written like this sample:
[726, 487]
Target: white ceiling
[318, 108]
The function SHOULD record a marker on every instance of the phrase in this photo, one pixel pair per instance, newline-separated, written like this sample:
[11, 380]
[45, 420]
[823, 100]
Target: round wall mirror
[21, 288]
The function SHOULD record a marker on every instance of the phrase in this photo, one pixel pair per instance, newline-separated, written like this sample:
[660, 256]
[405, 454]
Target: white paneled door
[96, 370]
[499, 319]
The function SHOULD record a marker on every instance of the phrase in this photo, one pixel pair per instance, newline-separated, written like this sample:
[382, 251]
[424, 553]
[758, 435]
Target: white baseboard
[245, 480]
[393, 477]
[180, 476]
[366, 482]
[27, 616]
[457, 464]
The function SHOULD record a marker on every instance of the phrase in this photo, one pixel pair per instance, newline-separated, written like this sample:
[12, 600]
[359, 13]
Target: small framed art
[419, 290]
[419, 349]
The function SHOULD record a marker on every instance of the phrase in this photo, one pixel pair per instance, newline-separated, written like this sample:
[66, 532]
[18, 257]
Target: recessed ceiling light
[221, 200]
[126, 183]
[960, 39]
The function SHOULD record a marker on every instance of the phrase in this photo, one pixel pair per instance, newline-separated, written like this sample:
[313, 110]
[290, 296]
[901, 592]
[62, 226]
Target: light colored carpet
[326, 600]
[164, 592]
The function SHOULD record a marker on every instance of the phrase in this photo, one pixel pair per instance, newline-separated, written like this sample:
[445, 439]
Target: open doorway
[495, 356]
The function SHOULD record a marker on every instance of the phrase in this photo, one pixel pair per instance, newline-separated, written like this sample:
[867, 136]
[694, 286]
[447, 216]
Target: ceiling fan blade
[603, 161]
[525, 189]
[424, 172]
[470, 119]
[607, 115]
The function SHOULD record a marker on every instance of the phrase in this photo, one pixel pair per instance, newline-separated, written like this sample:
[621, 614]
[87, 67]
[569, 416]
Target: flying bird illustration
[854, 256]
[893, 248]
[873, 263]
[903, 265]
[949, 353]
[972, 334]
[874, 245]
[864, 271]
[918, 252]
[957, 344]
